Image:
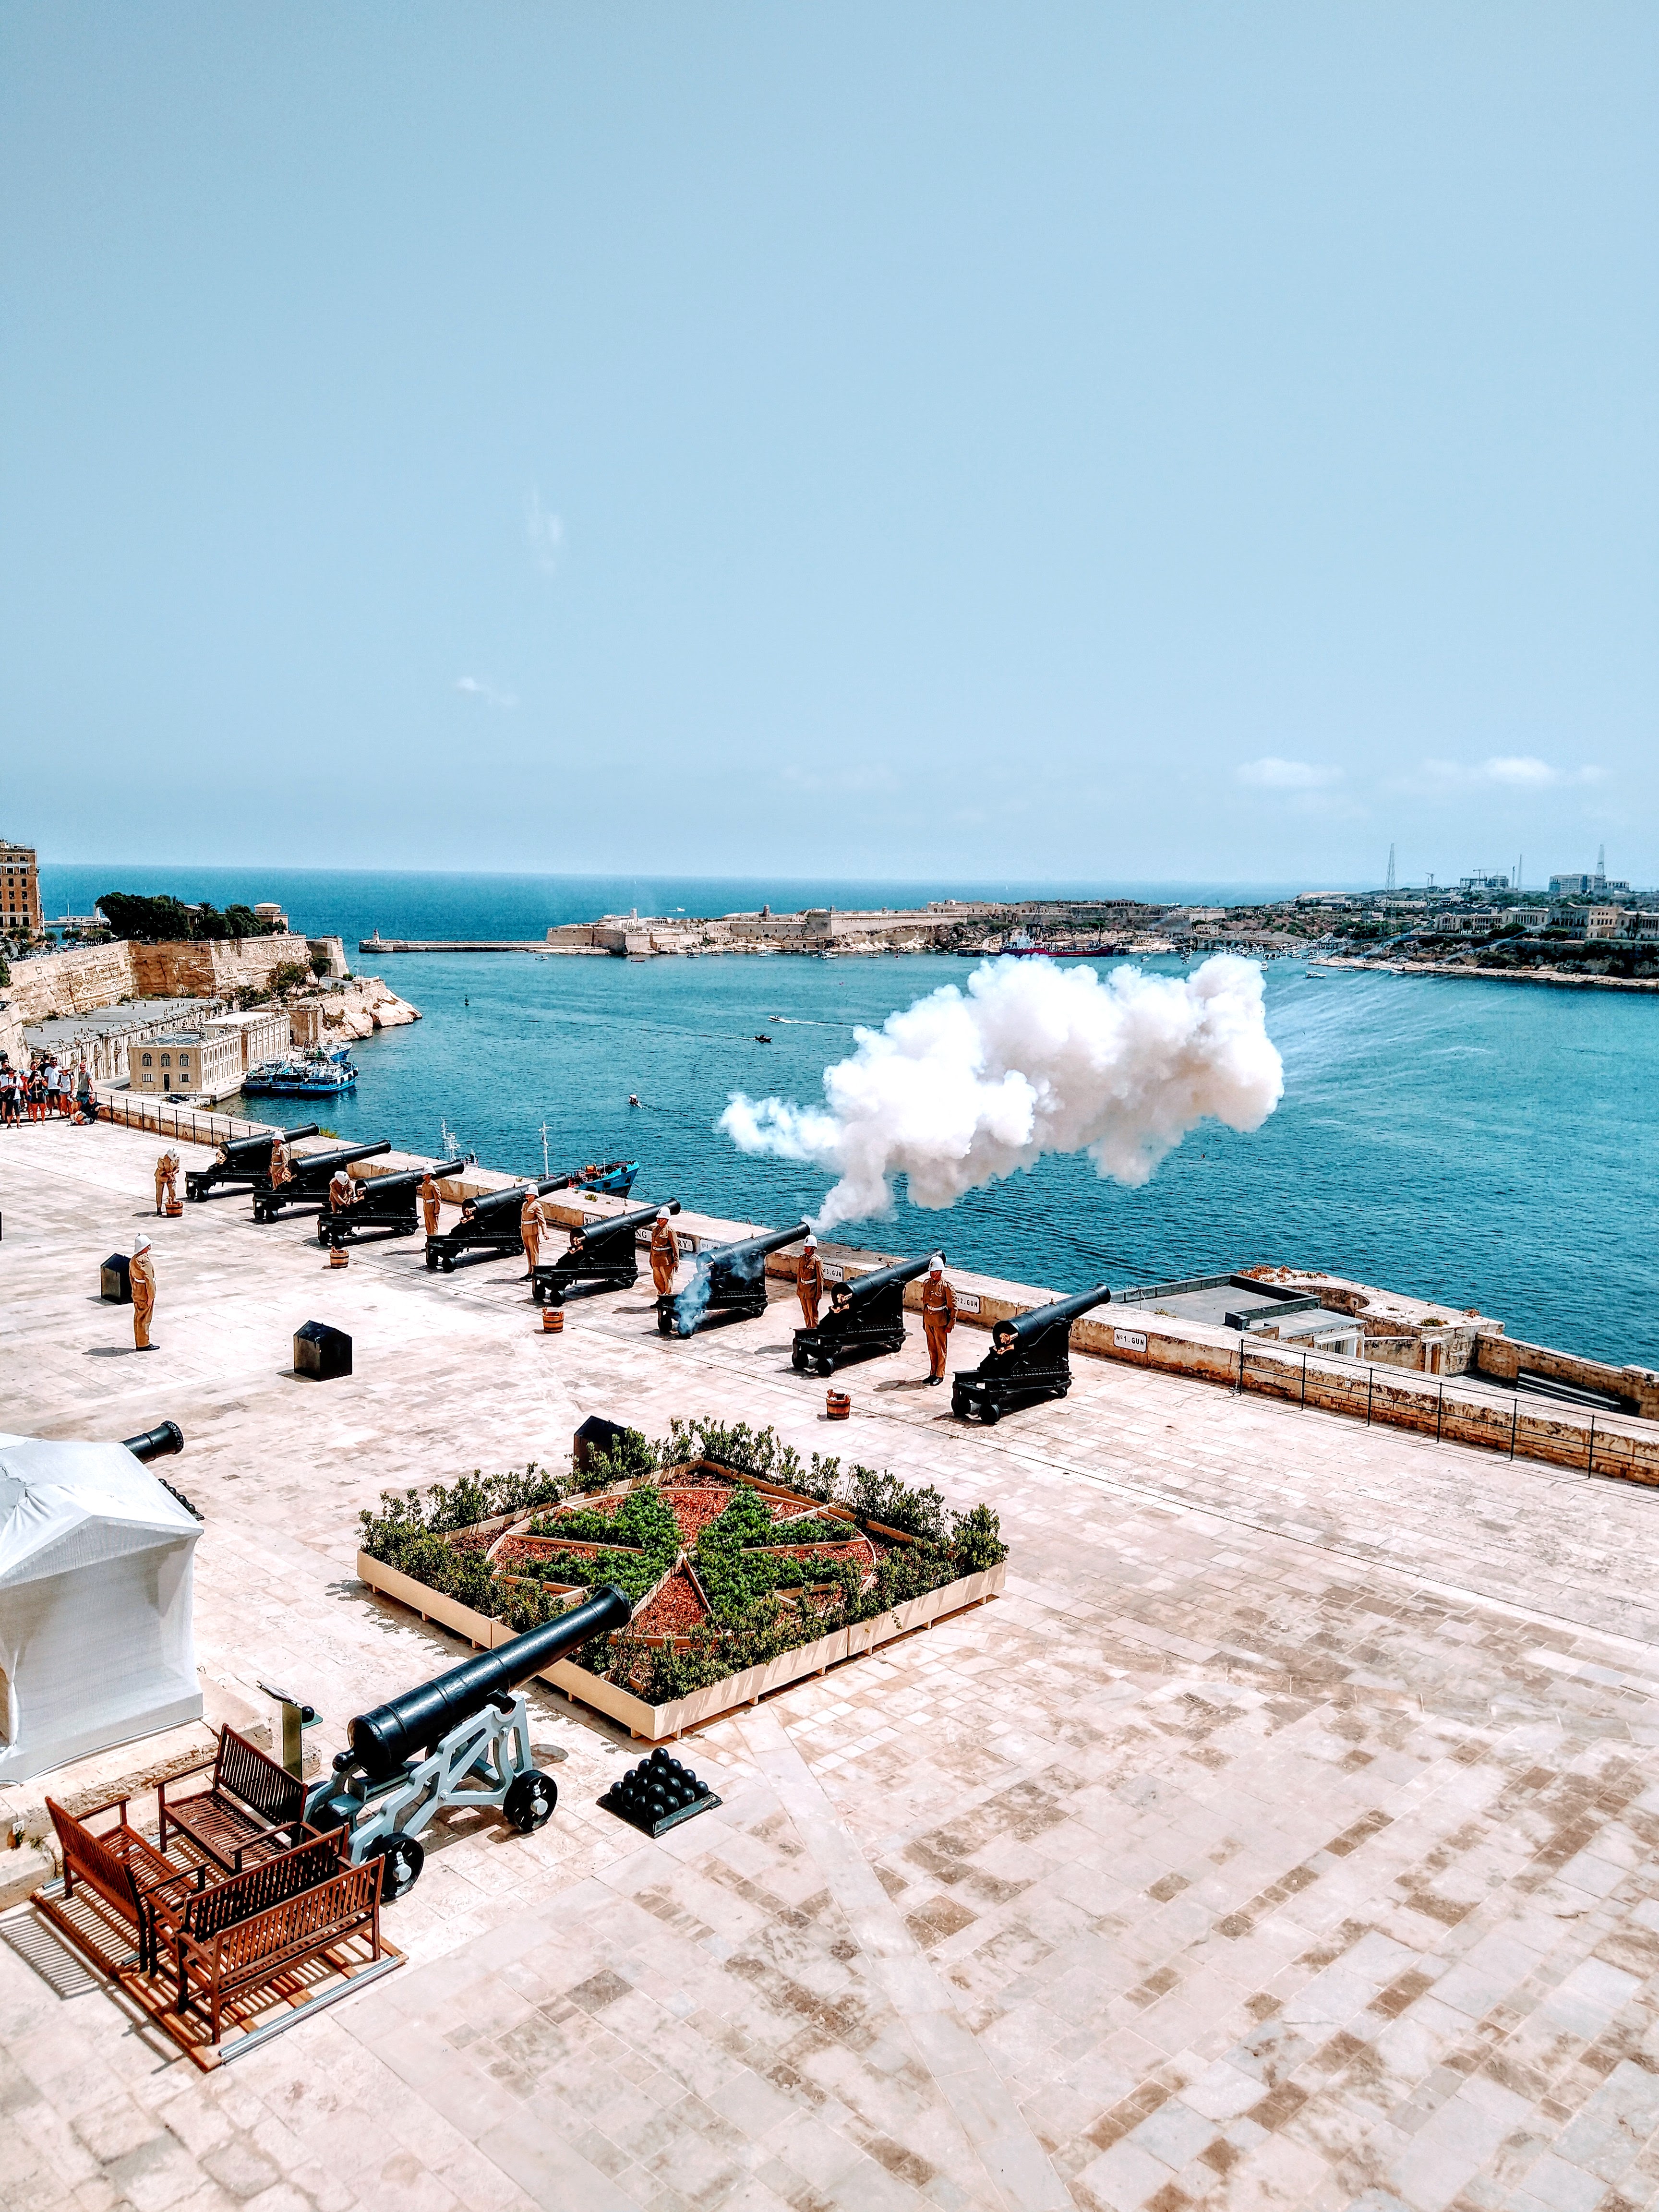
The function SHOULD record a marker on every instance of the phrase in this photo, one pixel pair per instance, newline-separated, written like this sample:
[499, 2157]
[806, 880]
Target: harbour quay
[1282, 1833]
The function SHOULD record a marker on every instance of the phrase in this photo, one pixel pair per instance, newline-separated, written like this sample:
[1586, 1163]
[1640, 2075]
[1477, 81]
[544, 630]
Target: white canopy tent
[96, 1645]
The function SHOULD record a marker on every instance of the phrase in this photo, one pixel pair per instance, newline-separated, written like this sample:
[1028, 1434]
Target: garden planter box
[659, 1724]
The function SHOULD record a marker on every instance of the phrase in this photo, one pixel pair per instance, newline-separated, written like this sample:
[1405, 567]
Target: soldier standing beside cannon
[342, 1192]
[430, 1204]
[141, 1281]
[279, 1172]
[809, 1282]
[531, 1222]
[167, 1180]
[665, 1253]
[938, 1316]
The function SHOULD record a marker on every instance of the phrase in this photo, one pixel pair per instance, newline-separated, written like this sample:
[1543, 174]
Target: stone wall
[86, 978]
[1504, 1356]
[80, 980]
[214, 970]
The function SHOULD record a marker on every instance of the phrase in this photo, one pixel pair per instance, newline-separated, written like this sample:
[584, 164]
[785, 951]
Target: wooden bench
[235, 1959]
[250, 1809]
[120, 1868]
[201, 1912]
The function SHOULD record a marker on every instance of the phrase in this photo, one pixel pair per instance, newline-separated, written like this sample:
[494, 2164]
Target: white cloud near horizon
[1270, 772]
[545, 531]
[476, 689]
[1513, 772]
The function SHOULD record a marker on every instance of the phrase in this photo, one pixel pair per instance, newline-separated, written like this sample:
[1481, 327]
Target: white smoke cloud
[962, 1089]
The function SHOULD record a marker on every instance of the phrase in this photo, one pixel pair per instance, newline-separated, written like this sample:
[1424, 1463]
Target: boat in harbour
[310, 1075]
[616, 1176]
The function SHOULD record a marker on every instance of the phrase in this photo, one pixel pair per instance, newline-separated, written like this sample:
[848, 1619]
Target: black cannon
[729, 1284]
[156, 1443]
[1030, 1360]
[603, 1256]
[866, 1317]
[388, 1203]
[490, 1224]
[461, 1740]
[308, 1184]
[240, 1162]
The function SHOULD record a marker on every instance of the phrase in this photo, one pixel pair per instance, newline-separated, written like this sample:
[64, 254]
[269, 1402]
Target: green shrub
[758, 1606]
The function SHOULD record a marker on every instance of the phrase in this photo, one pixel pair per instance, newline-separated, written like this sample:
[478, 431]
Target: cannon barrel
[237, 1148]
[310, 1165]
[883, 1279]
[753, 1248]
[496, 1201]
[1042, 1318]
[156, 1443]
[395, 1731]
[623, 1225]
[404, 1176]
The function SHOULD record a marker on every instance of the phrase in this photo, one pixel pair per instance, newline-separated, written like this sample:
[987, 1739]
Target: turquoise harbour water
[1486, 1145]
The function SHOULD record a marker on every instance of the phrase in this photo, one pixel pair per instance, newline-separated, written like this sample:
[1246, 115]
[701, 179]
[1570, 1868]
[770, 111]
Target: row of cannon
[1028, 1360]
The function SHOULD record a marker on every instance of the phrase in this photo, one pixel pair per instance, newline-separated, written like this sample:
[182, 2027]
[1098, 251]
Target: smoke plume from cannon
[964, 1087]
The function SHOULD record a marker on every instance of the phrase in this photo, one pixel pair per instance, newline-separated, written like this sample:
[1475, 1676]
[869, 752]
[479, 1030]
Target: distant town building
[1588, 886]
[1484, 883]
[20, 889]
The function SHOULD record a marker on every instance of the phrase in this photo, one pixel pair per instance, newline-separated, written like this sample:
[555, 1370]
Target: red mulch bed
[676, 1610]
[537, 1550]
[693, 1509]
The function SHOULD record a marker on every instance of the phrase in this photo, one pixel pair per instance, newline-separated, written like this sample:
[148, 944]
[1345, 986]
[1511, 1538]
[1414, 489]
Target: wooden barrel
[838, 1405]
[552, 1320]
[338, 1256]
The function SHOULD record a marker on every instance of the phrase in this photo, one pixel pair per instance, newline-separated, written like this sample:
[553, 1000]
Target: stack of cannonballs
[658, 1794]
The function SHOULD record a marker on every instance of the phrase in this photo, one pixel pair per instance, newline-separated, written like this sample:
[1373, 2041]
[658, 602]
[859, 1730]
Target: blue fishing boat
[616, 1176]
[315, 1075]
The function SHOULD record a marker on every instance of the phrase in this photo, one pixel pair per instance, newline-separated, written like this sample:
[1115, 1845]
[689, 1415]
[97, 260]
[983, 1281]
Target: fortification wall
[213, 970]
[79, 980]
[84, 979]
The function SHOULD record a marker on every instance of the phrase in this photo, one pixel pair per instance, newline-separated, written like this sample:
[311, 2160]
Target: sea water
[1485, 1144]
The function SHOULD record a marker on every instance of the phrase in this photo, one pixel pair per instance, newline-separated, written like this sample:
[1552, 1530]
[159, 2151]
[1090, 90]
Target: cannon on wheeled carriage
[461, 1740]
[489, 1226]
[309, 1181]
[604, 1255]
[390, 1204]
[866, 1318]
[728, 1283]
[1030, 1360]
[239, 1163]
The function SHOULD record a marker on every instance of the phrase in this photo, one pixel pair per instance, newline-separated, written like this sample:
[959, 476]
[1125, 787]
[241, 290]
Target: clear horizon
[911, 442]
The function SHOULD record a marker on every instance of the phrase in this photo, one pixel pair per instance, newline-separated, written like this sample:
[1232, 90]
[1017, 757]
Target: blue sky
[1080, 441]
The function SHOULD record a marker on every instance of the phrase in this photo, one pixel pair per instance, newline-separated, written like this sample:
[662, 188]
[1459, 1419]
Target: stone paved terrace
[1283, 1838]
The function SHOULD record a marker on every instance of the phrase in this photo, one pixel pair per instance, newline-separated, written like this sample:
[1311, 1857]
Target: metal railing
[190, 1125]
[1491, 1418]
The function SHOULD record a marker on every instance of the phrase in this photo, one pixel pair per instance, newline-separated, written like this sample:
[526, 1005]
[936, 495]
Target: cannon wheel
[665, 1323]
[448, 1264]
[798, 1360]
[989, 1416]
[826, 1367]
[401, 1859]
[530, 1800]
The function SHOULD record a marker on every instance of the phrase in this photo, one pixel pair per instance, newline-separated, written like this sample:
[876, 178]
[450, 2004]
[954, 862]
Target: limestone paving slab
[1284, 1836]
